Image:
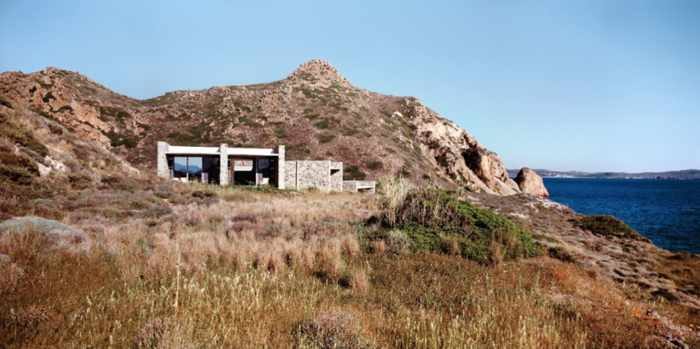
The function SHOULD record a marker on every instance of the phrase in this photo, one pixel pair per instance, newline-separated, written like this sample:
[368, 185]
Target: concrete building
[225, 165]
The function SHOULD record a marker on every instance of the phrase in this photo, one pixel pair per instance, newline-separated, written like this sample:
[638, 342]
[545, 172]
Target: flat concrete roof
[184, 150]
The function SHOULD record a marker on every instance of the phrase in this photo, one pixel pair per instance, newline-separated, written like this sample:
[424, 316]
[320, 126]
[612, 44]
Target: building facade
[225, 165]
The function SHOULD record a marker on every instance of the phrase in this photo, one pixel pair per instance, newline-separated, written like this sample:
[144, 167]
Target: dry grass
[285, 269]
[394, 191]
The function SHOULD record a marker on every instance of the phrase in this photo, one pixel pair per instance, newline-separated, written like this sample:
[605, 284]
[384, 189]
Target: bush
[325, 137]
[398, 242]
[117, 140]
[608, 226]
[17, 168]
[353, 172]
[374, 165]
[322, 124]
[21, 135]
[435, 220]
[331, 330]
[280, 132]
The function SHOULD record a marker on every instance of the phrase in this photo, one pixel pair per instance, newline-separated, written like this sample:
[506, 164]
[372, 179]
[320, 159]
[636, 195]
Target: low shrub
[19, 134]
[322, 124]
[353, 172]
[436, 220]
[331, 330]
[325, 137]
[607, 226]
[374, 165]
[17, 168]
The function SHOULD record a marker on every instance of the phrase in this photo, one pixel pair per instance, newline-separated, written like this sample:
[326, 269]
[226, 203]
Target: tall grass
[393, 191]
[285, 270]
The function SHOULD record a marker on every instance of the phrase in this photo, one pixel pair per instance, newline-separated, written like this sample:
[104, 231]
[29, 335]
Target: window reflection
[180, 167]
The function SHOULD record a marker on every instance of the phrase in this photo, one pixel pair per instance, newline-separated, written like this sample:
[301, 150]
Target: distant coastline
[676, 175]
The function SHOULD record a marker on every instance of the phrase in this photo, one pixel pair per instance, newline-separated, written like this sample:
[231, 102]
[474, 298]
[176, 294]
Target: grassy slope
[251, 269]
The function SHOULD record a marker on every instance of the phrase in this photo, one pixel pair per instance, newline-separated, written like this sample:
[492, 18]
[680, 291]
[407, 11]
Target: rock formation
[531, 183]
[59, 235]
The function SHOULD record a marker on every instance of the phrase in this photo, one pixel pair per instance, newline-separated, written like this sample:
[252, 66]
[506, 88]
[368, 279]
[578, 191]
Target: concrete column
[223, 164]
[281, 174]
[162, 169]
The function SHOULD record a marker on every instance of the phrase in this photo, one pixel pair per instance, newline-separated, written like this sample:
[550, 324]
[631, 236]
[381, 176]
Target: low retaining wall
[360, 186]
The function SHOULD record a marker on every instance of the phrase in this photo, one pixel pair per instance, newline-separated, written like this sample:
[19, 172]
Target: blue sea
[665, 211]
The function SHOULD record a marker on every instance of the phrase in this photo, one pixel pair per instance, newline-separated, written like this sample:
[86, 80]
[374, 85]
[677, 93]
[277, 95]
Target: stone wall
[336, 176]
[324, 175]
[314, 174]
[290, 174]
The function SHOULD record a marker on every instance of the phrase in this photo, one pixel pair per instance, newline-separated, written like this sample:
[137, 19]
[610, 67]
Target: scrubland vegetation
[177, 266]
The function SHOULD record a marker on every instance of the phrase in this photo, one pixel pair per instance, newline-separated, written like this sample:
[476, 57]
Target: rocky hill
[315, 111]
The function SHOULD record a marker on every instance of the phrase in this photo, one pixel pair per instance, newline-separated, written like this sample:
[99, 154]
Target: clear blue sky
[589, 85]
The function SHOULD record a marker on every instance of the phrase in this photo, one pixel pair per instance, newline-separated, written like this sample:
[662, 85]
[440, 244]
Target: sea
[665, 211]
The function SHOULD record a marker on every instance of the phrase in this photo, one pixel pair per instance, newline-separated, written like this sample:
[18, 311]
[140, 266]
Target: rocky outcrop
[531, 183]
[57, 234]
[455, 152]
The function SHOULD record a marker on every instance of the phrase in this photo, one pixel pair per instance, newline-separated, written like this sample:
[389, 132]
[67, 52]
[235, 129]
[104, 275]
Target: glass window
[180, 167]
[194, 165]
[194, 168]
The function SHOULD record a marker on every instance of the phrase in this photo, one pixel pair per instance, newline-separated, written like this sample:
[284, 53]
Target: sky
[565, 85]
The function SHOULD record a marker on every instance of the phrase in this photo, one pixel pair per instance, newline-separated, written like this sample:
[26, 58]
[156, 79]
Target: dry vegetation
[243, 268]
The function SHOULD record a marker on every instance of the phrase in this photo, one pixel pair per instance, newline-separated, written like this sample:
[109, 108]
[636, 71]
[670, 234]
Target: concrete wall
[223, 165]
[281, 164]
[336, 176]
[359, 186]
[162, 169]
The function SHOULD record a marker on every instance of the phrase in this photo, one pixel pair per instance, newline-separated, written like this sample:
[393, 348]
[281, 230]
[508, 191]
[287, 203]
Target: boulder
[59, 235]
[531, 183]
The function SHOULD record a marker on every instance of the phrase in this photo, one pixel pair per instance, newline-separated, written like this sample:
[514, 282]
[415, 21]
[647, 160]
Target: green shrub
[435, 220]
[114, 113]
[311, 115]
[374, 165]
[116, 140]
[322, 124]
[280, 132]
[607, 226]
[19, 134]
[353, 172]
[325, 137]
[349, 131]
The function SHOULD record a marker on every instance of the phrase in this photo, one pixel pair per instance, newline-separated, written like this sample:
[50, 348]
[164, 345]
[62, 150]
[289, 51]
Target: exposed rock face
[315, 111]
[531, 183]
[59, 235]
[456, 153]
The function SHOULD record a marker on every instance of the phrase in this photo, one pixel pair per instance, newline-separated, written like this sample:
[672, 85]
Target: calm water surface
[665, 211]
